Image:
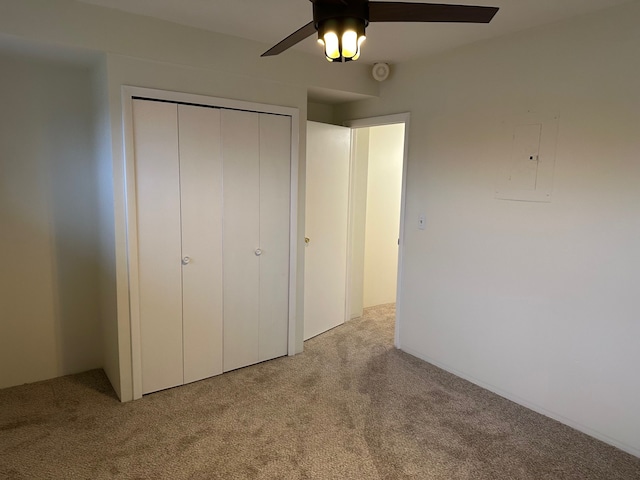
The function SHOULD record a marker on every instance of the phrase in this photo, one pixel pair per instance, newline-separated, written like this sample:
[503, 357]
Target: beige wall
[536, 301]
[376, 188]
[48, 230]
[320, 112]
[384, 189]
[358, 219]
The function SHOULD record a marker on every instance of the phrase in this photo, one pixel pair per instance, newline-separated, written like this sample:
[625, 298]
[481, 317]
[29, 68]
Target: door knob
[258, 252]
[186, 260]
[307, 240]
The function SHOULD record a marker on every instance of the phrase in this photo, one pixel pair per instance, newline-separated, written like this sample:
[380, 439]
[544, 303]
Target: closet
[212, 209]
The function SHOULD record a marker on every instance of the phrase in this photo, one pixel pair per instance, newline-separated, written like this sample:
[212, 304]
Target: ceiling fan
[341, 23]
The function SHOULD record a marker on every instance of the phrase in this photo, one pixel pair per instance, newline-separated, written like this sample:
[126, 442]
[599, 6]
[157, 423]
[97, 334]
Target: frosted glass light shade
[331, 46]
[349, 44]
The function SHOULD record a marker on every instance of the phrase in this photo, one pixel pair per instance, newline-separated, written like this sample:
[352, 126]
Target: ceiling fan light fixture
[341, 24]
[342, 38]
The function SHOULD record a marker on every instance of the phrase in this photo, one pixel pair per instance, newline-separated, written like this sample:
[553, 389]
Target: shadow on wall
[48, 220]
[75, 233]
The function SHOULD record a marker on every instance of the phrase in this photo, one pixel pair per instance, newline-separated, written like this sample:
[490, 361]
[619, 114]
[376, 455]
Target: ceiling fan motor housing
[323, 11]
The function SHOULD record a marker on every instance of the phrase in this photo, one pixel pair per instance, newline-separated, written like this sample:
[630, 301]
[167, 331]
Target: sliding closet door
[241, 237]
[275, 186]
[159, 243]
[201, 194]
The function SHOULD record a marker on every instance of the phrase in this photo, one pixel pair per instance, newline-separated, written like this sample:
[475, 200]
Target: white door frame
[374, 122]
[128, 94]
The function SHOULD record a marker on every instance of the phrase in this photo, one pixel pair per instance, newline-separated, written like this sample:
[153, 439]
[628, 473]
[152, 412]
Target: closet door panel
[275, 187]
[241, 237]
[158, 217]
[201, 194]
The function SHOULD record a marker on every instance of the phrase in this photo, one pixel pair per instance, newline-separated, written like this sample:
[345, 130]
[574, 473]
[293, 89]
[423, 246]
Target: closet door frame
[129, 93]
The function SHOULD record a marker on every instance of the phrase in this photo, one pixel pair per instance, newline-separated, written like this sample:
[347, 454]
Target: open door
[327, 207]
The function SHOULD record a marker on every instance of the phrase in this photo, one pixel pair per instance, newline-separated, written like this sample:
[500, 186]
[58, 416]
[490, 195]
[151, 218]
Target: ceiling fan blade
[297, 36]
[429, 12]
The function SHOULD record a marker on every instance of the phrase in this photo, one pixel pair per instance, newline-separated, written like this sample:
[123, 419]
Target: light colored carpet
[350, 407]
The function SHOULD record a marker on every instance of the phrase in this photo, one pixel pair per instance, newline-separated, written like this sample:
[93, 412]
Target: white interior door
[201, 207]
[159, 244]
[327, 205]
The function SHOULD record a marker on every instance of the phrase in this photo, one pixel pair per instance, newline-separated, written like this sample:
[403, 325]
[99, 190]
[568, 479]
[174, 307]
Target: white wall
[384, 189]
[536, 301]
[48, 230]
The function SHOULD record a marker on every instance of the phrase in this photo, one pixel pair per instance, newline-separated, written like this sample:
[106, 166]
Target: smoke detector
[380, 71]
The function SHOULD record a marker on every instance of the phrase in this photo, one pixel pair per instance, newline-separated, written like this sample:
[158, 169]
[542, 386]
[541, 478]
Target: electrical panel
[528, 175]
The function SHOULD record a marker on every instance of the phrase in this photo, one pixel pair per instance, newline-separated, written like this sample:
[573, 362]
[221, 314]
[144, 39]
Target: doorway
[376, 190]
[366, 264]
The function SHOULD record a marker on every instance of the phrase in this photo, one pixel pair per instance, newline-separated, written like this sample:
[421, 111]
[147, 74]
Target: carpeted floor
[350, 407]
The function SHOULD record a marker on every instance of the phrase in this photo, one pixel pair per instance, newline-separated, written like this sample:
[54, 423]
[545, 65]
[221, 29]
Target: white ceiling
[269, 21]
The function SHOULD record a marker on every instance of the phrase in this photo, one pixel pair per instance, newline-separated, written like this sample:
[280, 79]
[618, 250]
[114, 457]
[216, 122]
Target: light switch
[422, 222]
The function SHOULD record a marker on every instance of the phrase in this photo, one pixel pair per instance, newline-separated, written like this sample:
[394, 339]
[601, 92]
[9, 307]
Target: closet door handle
[186, 260]
[258, 252]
